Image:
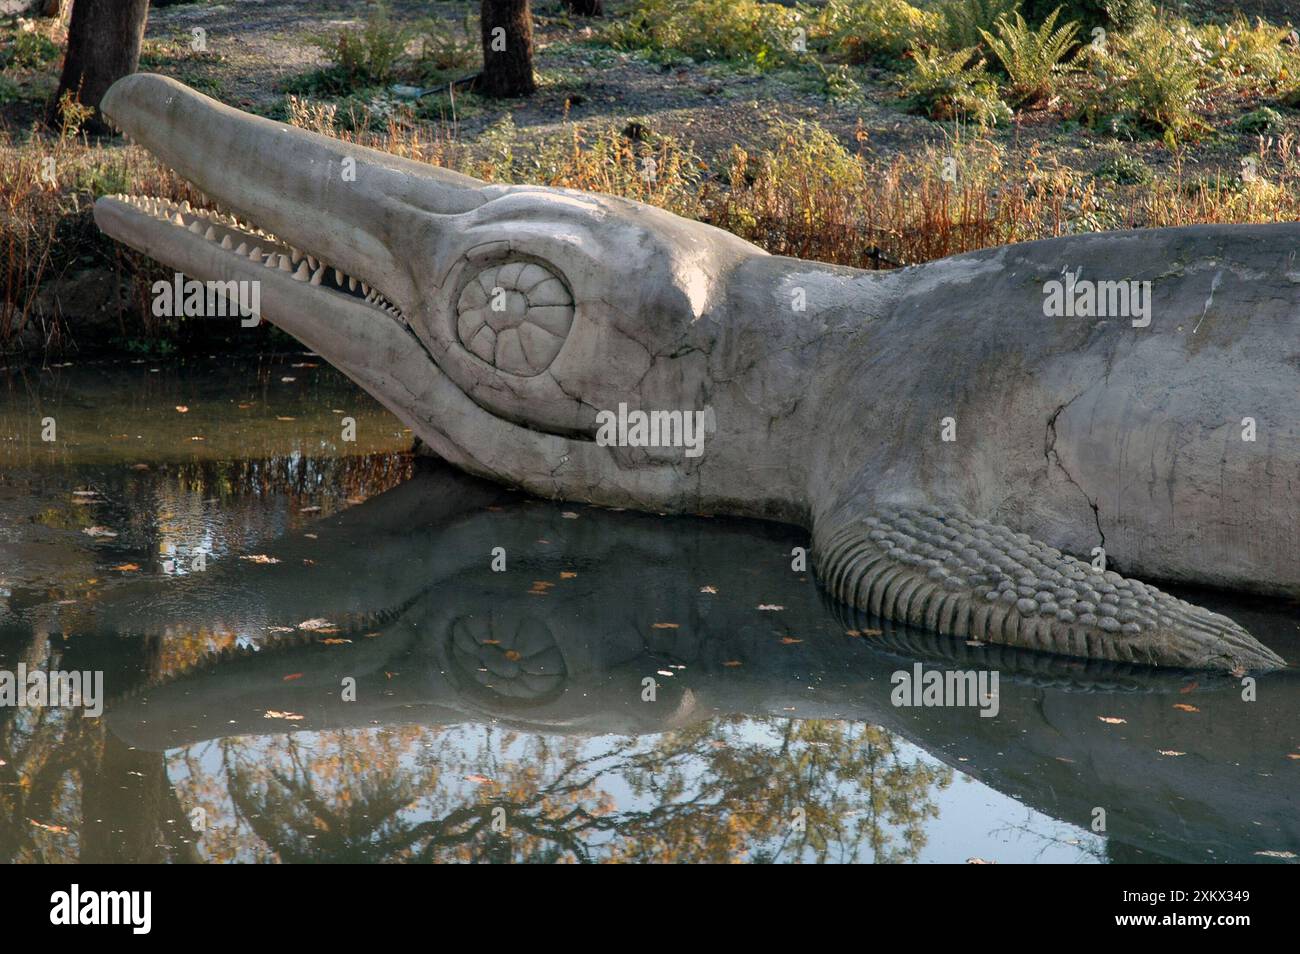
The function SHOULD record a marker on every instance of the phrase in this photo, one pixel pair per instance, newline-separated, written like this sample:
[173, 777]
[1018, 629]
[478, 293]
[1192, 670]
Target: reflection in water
[629, 688]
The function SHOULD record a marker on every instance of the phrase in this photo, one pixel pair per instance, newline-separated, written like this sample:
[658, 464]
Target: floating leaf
[709, 589]
[99, 532]
[292, 676]
[1184, 707]
[259, 558]
[1171, 752]
[665, 625]
[127, 567]
[182, 409]
[1112, 720]
[316, 623]
[277, 714]
[770, 607]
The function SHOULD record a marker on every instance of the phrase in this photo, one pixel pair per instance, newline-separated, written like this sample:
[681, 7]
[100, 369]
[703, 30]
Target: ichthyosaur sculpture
[945, 431]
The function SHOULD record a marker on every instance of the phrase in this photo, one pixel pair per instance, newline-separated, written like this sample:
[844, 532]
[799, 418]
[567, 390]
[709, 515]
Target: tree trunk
[104, 38]
[507, 49]
[586, 8]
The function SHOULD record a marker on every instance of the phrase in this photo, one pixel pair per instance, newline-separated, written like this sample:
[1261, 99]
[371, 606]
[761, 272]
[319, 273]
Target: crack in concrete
[1051, 456]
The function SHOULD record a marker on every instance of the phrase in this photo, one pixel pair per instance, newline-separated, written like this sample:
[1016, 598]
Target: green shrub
[362, 57]
[863, 30]
[964, 21]
[1111, 14]
[1255, 58]
[29, 49]
[954, 85]
[444, 50]
[1156, 74]
[1031, 58]
[1262, 120]
[1123, 169]
[761, 34]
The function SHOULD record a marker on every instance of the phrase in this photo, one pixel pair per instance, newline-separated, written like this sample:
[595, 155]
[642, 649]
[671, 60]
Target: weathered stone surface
[837, 396]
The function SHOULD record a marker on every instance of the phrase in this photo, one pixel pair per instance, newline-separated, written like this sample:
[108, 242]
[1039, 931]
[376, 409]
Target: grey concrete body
[1067, 432]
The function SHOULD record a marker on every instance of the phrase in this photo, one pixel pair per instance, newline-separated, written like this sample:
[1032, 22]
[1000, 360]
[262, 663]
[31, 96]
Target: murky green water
[308, 655]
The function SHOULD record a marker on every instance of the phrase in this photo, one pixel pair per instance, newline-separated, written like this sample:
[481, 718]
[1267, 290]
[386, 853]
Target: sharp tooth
[185, 206]
[177, 220]
[256, 254]
[270, 262]
[226, 243]
[338, 278]
[317, 276]
[312, 263]
[243, 249]
[365, 289]
[196, 228]
[284, 264]
[297, 255]
[302, 274]
[210, 234]
[352, 283]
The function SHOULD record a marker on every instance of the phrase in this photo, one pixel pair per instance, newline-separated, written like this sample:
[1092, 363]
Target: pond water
[309, 655]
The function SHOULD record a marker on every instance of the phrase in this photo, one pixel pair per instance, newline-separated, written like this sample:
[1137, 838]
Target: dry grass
[804, 195]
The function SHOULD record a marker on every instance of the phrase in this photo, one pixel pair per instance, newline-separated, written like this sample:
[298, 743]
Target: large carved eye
[515, 316]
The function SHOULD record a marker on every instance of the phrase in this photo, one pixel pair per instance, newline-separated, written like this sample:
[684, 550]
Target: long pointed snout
[349, 204]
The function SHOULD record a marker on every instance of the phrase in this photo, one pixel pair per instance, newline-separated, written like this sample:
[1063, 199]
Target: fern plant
[964, 21]
[1031, 58]
[954, 85]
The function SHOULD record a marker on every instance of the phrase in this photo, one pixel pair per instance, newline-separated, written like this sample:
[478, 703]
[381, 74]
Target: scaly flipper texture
[958, 576]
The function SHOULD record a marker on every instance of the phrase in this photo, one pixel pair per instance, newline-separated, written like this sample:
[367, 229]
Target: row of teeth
[213, 226]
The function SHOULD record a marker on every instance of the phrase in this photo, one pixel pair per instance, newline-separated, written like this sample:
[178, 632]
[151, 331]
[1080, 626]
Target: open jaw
[325, 227]
[153, 226]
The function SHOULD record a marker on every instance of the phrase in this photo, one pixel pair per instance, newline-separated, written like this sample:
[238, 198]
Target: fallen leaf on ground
[127, 567]
[57, 829]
